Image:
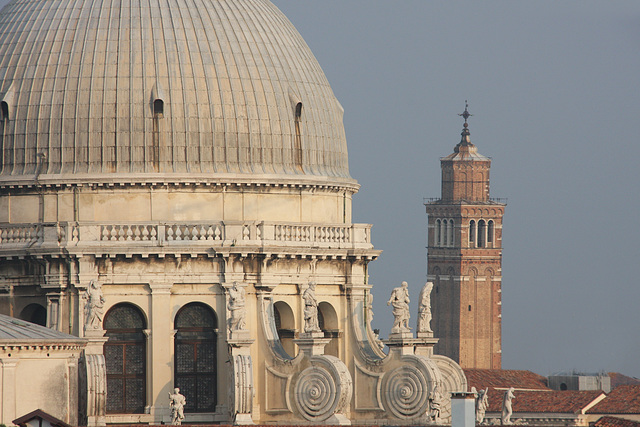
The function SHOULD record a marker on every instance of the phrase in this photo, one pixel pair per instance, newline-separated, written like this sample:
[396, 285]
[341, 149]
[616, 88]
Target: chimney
[463, 409]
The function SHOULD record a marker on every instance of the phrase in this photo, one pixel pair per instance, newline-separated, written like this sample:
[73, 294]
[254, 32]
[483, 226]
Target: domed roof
[134, 90]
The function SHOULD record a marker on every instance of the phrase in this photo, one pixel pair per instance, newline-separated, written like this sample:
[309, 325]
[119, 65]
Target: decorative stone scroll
[406, 391]
[242, 389]
[93, 389]
[323, 391]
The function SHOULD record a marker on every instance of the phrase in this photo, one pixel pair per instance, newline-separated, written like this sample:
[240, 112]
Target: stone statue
[176, 403]
[482, 402]
[507, 410]
[95, 306]
[310, 309]
[236, 307]
[424, 309]
[400, 302]
[435, 404]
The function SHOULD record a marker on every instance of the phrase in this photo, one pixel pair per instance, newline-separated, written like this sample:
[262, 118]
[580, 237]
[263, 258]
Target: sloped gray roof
[16, 330]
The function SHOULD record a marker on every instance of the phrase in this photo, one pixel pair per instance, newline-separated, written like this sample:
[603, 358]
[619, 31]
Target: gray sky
[553, 87]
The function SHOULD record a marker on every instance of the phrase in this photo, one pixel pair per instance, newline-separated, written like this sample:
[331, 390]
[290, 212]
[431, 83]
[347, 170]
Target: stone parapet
[97, 237]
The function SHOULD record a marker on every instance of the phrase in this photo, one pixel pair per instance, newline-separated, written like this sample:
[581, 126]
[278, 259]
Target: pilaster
[160, 356]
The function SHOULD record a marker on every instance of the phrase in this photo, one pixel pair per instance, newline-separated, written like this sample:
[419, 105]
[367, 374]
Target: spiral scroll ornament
[316, 394]
[406, 392]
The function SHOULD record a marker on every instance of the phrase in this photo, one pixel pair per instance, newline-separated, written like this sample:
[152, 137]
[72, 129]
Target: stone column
[160, 351]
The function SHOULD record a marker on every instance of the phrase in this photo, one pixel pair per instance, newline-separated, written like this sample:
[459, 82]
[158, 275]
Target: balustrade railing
[20, 234]
[192, 233]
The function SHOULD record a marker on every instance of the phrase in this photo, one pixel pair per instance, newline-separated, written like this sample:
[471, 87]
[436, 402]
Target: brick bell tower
[465, 258]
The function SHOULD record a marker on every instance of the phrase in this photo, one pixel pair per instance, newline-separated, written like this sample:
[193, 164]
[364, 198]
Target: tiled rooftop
[617, 379]
[505, 378]
[564, 402]
[615, 422]
[624, 399]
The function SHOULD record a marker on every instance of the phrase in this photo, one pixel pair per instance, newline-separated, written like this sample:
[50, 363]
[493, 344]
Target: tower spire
[465, 139]
[465, 114]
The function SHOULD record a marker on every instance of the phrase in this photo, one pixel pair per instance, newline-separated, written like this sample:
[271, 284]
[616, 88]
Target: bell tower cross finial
[466, 113]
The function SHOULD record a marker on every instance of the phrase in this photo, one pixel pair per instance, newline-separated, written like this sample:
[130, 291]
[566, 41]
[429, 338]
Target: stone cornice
[178, 180]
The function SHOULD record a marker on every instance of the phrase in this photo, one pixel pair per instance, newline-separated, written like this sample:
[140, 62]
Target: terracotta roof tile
[618, 379]
[624, 399]
[551, 401]
[505, 378]
[615, 422]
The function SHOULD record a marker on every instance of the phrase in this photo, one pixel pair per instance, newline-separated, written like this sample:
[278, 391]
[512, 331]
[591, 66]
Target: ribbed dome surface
[148, 88]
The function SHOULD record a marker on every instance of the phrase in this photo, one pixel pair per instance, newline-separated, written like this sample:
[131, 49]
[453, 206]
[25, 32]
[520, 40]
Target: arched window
[125, 354]
[443, 233]
[158, 108]
[328, 322]
[490, 232]
[482, 233]
[436, 233]
[450, 232]
[472, 232]
[285, 325]
[298, 137]
[4, 123]
[195, 356]
[34, 313]
[158, 114]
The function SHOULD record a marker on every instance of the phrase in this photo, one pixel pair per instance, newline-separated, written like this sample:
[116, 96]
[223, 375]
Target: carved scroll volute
[323, 391]
[242, 392]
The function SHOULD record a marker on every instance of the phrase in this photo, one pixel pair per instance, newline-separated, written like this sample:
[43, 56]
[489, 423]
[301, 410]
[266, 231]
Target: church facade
[174, 189]
[464, 259]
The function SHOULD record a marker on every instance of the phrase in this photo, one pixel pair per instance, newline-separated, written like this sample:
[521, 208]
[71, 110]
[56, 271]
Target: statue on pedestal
[176, 403]
[310, 309]
[236, 307]
[95, 306]
[424, 309]
[400, 302]
[482, 402]
[507, 409]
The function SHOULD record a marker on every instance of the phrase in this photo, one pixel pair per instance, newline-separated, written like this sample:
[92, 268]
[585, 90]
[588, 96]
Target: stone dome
[138, 91]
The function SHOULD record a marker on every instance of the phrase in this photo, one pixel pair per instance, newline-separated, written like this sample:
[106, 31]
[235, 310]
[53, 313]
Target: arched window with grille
[125, 355]
[195, 356]
[436, 233]
[450, 233]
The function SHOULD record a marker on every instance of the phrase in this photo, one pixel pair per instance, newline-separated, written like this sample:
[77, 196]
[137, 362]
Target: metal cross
[466, 114]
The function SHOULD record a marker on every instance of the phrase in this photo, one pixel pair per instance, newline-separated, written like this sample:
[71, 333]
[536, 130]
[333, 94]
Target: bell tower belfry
[464, 259]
